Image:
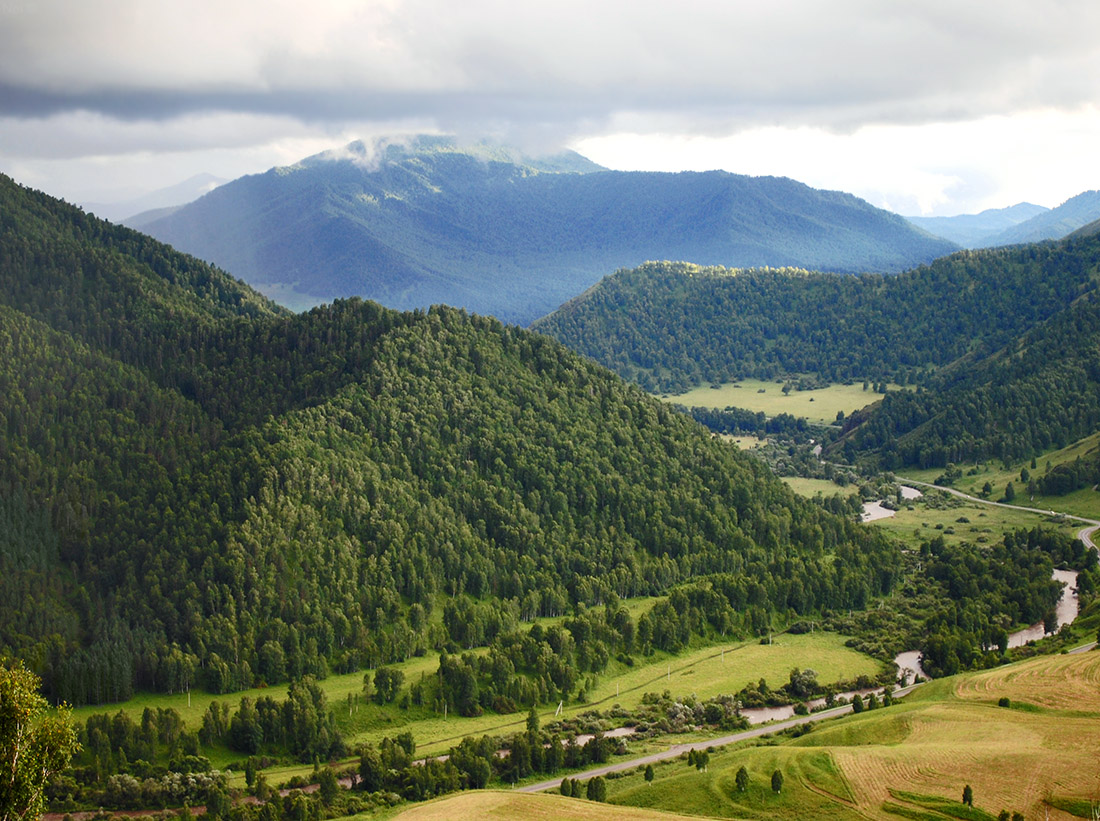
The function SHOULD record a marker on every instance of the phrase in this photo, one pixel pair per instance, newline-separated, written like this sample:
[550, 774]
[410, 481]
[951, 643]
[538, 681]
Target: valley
[432, 552]
[470, 411]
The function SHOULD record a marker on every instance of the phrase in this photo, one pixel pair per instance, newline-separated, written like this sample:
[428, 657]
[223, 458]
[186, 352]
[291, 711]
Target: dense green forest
[207, 489]
[999, 345]
[1039, 392]
[673, 326]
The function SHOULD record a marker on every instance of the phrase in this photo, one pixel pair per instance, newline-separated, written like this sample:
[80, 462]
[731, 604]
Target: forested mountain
[671, 326]
[1039, 392]
[1002, 343]
[432, 222]
[201, 487]
[972, 230]
[1053, 224]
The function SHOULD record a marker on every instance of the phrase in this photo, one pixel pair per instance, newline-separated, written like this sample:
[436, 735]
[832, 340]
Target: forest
[209, 490]
[672, 326]
[994, 347]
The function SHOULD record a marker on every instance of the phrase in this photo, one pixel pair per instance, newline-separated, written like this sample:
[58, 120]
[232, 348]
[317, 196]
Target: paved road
[1084, 534]
[677, 749]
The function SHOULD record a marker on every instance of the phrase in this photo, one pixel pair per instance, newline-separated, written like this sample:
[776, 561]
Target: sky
[933, 108]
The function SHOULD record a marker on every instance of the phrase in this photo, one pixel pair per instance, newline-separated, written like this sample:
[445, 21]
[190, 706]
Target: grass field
[913, 759]
[744, 442]
[705, 672]
[1085, 502]
[702, 670]
[938, 514]
[811, 487]
[507, 805]
[957, 520]
[819, 406]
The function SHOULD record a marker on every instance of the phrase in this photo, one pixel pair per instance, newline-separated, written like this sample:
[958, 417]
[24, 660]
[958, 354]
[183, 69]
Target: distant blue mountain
[1056, 223]
[972, 230]
[160, 200]
[489, 229]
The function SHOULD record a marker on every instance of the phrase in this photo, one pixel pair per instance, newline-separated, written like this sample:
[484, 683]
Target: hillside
[673, 326]
[912, 759]
[1053, 224]
[1002, 344]
[208, 489]
[972, 230]
[493, 231]
[1037, 393]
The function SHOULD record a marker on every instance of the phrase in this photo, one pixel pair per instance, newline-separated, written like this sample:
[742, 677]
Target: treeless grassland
[490, 804]
[820, 406]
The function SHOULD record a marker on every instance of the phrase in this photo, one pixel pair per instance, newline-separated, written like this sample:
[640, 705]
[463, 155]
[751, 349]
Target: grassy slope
[819, 406]
[1085, 502]
[948, 734]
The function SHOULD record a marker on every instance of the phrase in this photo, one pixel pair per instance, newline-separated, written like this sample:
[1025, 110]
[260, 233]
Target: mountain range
[431, 221]
[1023, 222]
[155, 203]
[972, 230]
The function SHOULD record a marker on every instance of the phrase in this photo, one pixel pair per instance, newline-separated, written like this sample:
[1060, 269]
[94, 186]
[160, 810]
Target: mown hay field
[1038, 751]
[492, 804]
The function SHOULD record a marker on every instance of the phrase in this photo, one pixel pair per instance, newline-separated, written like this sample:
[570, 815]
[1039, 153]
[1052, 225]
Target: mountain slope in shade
[972, 230]
[1053, 224]
[674, 326]
[493, 231]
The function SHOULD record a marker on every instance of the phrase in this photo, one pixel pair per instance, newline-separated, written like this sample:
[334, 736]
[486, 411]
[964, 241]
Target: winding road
[1085, 534]
[678, 749]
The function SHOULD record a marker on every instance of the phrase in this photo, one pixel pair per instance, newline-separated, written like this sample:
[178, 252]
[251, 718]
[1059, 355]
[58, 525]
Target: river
[909, 662]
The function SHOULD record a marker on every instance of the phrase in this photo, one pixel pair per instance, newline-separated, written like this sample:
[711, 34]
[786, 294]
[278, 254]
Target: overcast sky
[920, 107]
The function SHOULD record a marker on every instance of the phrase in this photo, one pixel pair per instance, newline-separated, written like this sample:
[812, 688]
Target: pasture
[1084, 502]
[703, 670]
[958, 520]
[819, 406]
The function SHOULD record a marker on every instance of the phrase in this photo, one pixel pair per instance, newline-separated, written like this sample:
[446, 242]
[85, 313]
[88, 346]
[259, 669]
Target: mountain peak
[430, 219]
[372, 154]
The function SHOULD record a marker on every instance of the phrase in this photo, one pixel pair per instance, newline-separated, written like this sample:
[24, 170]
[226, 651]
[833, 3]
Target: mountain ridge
[412, 226]
[1056, 223]
[970, 230]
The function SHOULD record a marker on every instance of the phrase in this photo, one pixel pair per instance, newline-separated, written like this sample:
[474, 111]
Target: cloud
[567, 64]
[117, 78]
[942, 168]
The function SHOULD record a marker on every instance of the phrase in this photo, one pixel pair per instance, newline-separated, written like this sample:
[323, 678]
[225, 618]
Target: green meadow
[913, 759]
[1084, 502]
[820, 406]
